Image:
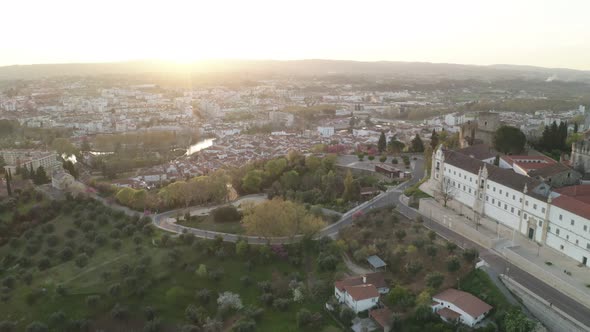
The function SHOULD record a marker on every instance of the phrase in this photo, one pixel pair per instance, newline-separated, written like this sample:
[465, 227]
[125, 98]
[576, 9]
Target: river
[199, 146]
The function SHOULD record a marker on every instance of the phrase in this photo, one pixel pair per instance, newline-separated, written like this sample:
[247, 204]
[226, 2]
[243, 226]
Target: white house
[362, 292]
[455, 305]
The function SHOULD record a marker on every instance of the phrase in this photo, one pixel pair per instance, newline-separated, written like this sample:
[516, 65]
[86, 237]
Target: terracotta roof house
[454, 305]
[361, 293]
[382, 317]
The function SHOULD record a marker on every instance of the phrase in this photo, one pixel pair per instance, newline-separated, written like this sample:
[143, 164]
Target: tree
[252, 181]
[41, 176]
[400, 296]
[244, 325]
[516, 321]
[446, 191]
[303, 318]
[82, 260]
[242, 248]
[434, 279]
[509, 139]
[8, 182]
[229, 300]
[453, 264]
[382, 143]
[351, 188]
[431, 251]
[68, 165]
[400, 234]
[395, 146]
[417, 145]
[280, 218]
[346, 314]
[433, 140]
[470, 255]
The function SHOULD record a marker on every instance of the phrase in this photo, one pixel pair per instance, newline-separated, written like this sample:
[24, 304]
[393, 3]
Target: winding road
[389, 197]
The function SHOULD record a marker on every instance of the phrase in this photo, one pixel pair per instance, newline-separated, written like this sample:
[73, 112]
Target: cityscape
[210, 189]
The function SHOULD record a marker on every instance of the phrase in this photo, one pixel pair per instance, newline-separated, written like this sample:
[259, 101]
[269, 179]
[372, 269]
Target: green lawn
[207, 222]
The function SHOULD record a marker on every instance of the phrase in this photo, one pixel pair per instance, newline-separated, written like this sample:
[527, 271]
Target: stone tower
[480, 131]
[580, 158]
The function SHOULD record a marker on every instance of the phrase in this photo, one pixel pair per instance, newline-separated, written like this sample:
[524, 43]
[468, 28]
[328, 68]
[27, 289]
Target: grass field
[149, 268]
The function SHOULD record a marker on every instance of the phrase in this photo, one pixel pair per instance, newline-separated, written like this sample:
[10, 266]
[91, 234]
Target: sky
[527, 32]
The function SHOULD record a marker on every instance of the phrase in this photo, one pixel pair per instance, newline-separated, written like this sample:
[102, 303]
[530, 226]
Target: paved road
[501, 266]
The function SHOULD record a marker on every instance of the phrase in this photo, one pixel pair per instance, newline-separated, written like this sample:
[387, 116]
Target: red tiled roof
[574, 205]
[528, 163]
[381, 316]
[465, 301]
[377, 279]
[579, 192]
[362, 292]
[448, 314]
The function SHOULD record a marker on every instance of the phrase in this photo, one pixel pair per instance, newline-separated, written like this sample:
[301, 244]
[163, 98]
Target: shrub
[245, 280]
[266, 298]
[117, 244]
[201, 271]
[44, 264]
[451, 247]
[228, 213]
[434, 279]
[470, 255]
[453, 264]
[57, 318]
[7, 326]
[400, 234]
[346, 315]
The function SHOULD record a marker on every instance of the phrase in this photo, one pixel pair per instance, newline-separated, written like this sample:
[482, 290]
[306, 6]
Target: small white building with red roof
[361, 293]
[453, 305]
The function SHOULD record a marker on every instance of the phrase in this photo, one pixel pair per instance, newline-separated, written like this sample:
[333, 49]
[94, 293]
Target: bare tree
[446, 191]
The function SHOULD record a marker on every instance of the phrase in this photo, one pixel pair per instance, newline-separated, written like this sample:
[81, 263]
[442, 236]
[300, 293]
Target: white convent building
[560, 219]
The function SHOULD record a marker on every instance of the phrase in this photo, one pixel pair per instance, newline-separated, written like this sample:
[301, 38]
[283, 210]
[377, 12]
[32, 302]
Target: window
[470, 190]
[525, 216]
[513, 197]
[577, 242]
[572, 222]
[511, 210]
[561, 247]
[493, 201]
[587, 245]
[520, 200]
[560, 217]
[506, 194]
[488, 186]
[535, 206]
[487, 198]
[518, 212]
[543, 210]
[585, 228]
[499, 204]
[540, 223]
[494, 189]
[567, 237]
[526, 203]
[557, 231]
[500, 191]
[505, 207]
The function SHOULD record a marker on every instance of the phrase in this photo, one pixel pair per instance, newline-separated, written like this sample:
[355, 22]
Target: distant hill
[418, 70]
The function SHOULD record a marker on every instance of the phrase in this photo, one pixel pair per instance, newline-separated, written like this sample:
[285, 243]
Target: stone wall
[553, 318]
[546, 277]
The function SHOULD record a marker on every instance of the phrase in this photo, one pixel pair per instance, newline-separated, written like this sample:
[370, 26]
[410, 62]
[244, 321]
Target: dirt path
[353, 267]
[94, 268]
